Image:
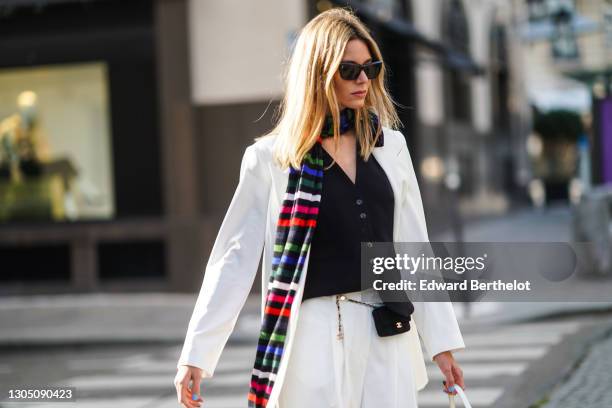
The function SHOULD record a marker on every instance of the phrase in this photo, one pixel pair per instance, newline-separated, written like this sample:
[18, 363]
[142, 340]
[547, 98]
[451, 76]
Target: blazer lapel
[388, 158]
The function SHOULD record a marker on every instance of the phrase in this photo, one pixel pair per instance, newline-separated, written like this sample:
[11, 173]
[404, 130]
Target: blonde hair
[309, 91]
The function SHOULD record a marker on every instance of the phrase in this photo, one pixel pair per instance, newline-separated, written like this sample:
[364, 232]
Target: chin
[355, 104]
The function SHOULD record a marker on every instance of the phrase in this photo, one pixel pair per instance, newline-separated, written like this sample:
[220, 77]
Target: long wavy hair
[309, 89]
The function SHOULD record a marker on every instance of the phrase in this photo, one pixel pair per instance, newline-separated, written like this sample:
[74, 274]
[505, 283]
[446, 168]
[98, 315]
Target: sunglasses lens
[373, 69]
[349, 71]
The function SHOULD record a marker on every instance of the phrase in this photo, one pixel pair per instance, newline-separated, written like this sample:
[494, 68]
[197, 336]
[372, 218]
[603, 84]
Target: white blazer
[250, 225]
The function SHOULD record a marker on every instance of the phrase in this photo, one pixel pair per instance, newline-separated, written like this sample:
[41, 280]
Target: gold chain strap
[340, 334]
[357, 301]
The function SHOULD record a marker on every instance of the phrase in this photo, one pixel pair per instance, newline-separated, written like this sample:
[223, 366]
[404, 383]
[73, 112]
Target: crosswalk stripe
[561, 327]
[230, 380]
[504, 352]
[140, 380]
[106, 363]
[107, 382]
[474, 371]
[97, 403]
[497, 354]
[234, 401]
[160, 367]
[497, 339]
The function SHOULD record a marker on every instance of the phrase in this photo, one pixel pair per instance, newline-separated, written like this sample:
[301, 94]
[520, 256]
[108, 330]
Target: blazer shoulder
[394, 137]
[263, 147]
[395, 141]
[257, 159]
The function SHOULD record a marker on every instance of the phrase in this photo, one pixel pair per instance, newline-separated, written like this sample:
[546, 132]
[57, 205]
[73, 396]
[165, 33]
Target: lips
[359, 93]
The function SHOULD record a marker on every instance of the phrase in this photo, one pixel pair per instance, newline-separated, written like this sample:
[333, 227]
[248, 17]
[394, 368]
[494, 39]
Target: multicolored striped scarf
[295, 227]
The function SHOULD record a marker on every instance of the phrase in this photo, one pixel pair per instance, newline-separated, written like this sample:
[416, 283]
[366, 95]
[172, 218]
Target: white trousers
[363, 370]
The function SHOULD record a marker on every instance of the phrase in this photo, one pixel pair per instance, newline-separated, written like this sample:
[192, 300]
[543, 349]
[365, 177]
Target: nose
[362, 77]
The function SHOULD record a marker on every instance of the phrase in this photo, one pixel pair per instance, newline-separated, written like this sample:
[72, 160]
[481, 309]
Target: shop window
[55, 143]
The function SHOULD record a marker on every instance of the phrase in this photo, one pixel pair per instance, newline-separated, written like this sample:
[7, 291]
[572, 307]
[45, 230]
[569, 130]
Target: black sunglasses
[351, 70]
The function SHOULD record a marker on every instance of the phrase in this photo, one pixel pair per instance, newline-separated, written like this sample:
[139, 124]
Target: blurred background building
[123, 123]
[568, 52]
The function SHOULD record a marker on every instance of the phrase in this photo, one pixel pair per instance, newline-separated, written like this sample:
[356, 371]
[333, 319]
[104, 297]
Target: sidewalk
[106, 318]
[589, 382]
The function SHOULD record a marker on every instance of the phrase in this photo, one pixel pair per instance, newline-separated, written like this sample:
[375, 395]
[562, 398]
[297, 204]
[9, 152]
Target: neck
[347, 119]
[340, 109]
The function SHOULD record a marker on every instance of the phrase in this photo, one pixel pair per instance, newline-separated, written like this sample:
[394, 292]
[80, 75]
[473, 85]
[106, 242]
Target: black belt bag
[387, 321]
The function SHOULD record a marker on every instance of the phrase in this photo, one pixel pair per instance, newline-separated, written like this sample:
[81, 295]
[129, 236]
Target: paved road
[496, 357]
[122, 376]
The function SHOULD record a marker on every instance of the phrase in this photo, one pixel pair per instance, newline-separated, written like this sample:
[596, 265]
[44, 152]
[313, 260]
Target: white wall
[429, 81]
[238, 48]
[479, 14]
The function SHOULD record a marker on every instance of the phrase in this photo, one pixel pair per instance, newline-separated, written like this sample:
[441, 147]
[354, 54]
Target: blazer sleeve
[436, 321]
[231, 267]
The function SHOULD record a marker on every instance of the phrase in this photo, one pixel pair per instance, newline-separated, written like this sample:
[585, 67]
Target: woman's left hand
[450, 369]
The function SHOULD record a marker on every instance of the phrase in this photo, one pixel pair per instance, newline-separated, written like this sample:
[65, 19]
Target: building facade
[188, 84]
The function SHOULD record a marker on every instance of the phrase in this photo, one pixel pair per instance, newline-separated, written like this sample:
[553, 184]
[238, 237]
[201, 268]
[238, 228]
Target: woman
[332, 174]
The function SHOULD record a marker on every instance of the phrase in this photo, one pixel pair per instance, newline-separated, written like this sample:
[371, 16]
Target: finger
[196, 403]
[186, 396]
[445, 388]
[188, 403]
[196, 388]
[181, 394]
[450, 380]
[458, 373]
[194, 392]
[195, 399]
[179, 391]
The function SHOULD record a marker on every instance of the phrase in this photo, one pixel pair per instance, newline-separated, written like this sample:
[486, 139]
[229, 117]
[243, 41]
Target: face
[352, 93]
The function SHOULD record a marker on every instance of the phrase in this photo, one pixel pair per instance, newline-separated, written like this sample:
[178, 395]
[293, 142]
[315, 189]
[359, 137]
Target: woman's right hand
[185, 375]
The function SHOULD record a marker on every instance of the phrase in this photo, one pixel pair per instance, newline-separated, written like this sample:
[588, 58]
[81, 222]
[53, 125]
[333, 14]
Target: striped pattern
[295, 227]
